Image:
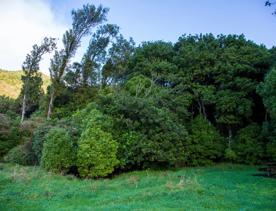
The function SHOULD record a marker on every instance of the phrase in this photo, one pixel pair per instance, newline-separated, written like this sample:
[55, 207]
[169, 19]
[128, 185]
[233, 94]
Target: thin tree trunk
[229, 137]
[51, 103]
[203, 110]
[23, 108]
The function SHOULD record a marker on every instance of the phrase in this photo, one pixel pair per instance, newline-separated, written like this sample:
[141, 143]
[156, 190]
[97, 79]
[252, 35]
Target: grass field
[223, 187]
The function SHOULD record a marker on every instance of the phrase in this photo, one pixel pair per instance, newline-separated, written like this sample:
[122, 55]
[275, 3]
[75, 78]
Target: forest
[200, 101]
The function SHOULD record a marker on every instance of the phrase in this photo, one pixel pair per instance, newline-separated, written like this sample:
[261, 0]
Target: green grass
[223, 187]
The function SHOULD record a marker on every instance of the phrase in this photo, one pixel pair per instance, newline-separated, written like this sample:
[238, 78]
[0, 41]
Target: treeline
[201, 100]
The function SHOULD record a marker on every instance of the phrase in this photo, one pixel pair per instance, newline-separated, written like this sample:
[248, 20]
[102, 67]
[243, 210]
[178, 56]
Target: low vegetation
[224, 187]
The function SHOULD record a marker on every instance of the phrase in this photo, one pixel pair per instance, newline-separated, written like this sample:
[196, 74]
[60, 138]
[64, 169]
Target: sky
[26, 22]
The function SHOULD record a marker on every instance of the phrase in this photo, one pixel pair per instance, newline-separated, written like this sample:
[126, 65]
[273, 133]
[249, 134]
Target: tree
[96, 53]
[206, 145]
[96, 156]
[31, 89]
[116, 67]
[270, 4]
[83, 20]
[58, 153]
[267, 90]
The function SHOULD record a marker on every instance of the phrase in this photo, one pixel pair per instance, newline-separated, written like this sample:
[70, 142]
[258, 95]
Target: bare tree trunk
[203, 110]
[51, 103]
[23, 108]
[229, 137]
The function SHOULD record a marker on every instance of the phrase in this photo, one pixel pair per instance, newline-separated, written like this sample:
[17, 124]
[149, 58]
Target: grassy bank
[223, 187]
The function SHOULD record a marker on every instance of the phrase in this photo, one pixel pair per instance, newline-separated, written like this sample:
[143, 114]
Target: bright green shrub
[96, 156]
[247, 145]
[206, 143]
[57, 154]
[138, 85]
[21, 154]
[230, 155]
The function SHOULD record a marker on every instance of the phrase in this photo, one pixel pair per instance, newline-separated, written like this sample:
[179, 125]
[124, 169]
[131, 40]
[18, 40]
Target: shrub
[129, 150]
[21, 154]
[206, 143]
[161, 140]
[97, 150]
[247, 145]
[230, 155]
[269, 139]
[9, 134]
[39, 138]
[57, 154]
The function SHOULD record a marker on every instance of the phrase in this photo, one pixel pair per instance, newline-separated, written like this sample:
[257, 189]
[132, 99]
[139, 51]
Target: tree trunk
[23, 108]
[203, 110]
[229, 137]
[51, 103]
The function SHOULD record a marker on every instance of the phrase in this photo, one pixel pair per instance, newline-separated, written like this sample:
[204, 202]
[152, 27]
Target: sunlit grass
[223, 187]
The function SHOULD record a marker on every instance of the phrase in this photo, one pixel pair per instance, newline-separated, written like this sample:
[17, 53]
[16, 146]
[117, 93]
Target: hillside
[10, 82]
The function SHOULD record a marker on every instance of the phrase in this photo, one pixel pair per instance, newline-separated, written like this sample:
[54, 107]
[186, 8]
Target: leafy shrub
[268, 136]
[9, 134]
[138, 85]
[97, 150]
[129, 150]
[57, 154]
[39, 139]
[247, 144]
[21, 154]
[206, 143]
[162, 139]
[230, 155]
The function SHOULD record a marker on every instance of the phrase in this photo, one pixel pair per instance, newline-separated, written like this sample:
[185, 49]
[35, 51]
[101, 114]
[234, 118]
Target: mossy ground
[222, 187]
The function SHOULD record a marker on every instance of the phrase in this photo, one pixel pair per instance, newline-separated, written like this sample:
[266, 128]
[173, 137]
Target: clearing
[221, 187]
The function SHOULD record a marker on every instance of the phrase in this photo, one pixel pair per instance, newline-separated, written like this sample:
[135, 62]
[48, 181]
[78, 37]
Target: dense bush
[162, 139]
[230, 155]
[206, 143]
[96, 156]
[39, 139]
[57, 154]
[9, 134]
[247, 145]
[129, 149]
[21, 154]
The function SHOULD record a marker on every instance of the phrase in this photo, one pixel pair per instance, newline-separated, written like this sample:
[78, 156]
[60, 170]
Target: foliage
[247, 144]
[230, 155]
[267, 90]
[162, 139]
[57, 154]
[160, 104]
[9, 134]
[97, 150]
[21, 154]
[39, 139]
[206, 143]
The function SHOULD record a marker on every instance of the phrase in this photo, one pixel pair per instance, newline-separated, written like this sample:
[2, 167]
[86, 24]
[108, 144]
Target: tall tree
[31, 89]
[95, 55]
[116, 66]
[83, 20]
